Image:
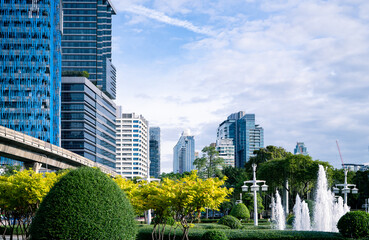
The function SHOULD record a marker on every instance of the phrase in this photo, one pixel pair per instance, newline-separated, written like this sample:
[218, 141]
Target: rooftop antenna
[339, 151]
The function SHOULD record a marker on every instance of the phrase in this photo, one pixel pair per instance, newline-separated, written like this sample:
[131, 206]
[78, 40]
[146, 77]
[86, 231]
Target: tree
[300, 171]
[8, 170]
[210, 163]
[21, 195]
[184, 199]
[174, 176]
[265, 154]
[235, 178]
[249, 202]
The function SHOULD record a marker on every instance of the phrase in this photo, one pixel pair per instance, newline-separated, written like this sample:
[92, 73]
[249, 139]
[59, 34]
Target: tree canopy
[210, 164]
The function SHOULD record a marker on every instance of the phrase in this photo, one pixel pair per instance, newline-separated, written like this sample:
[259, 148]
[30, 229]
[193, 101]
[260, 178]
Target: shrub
[214, 235]
[354, 224]
[290, 219]
[84, 204]
[167, 220]
[230, 221]
[240, 211]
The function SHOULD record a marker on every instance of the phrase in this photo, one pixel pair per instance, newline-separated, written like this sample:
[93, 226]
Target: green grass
[249, 232]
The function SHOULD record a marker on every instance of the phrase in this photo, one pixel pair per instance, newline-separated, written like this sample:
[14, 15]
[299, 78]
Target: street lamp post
[345, 190]
[254, 188]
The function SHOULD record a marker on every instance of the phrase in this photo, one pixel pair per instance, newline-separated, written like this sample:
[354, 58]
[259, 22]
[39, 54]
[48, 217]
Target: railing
[45, 146]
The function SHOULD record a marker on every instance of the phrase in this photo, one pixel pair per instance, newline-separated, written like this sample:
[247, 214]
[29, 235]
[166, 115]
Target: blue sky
[301, 66]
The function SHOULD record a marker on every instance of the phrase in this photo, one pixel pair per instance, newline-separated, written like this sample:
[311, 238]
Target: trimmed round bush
[214, 235]
[230, 221]
[84, 204]
[240, 211]
[354, 224]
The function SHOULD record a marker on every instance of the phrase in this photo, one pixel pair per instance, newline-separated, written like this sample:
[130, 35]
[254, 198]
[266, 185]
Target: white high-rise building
[184, 153]
[226, 150]
[132, 145]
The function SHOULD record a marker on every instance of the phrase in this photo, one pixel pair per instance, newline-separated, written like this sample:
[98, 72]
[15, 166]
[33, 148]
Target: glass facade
[132, 146]
[154, 147]
[184, 154]
[300, 149]
[246, 135]
[30, 63]
[87, 41]
[87, 121]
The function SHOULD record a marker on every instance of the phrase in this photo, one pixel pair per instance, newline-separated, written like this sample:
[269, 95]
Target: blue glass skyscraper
[30, 64]
[154, 151]
[246, 135]
[87, 41]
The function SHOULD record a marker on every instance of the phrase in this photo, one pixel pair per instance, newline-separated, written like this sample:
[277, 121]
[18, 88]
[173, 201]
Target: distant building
[88, 121]
[184, 153]
[300, 149]
[245, 134]
[132, 146]
[357, 167]
[154, 149]
[226, 150]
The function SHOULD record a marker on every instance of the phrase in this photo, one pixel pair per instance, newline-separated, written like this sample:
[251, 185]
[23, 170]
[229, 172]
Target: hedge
[84, 204]
[144, 233]
[354, 224]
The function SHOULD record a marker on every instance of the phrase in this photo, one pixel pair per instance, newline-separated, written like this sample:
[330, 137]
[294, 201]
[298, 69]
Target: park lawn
[247, 233]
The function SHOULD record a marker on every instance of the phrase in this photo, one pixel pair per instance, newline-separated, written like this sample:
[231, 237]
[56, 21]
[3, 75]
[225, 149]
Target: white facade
[226, 150]
[132, 146]
[184, 153]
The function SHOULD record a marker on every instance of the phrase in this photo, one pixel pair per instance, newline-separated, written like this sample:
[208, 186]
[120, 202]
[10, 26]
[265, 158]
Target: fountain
[302, 216]
[280, 219]
[327, 211]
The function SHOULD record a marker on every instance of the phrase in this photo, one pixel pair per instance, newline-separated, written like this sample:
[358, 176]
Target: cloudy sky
[302, 66]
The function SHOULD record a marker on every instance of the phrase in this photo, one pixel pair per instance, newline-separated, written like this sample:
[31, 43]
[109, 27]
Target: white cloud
[302, 69]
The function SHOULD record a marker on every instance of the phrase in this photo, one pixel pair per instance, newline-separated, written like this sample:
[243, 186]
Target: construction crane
[339, 151]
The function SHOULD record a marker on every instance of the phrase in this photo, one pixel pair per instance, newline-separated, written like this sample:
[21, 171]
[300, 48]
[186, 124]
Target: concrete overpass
[34, 152]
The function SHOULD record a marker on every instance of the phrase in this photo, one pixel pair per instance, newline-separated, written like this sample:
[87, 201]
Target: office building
[87, 42]
[154, 151]
[30, 64]
[245, 134]
[88, 121]
[226, 150]
[132, 146]
[300, 149]
[184, 153]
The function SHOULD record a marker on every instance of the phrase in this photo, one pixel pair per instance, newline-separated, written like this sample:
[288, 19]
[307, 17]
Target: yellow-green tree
[21, 194]
[184, 199]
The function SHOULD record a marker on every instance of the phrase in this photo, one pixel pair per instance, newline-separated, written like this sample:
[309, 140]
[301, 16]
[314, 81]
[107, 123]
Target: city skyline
[299, 66]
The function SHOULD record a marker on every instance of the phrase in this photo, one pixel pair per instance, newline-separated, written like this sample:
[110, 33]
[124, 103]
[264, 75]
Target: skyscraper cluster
[238, 137]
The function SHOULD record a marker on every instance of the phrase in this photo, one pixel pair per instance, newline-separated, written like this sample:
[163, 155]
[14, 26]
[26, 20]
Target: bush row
[196, 234]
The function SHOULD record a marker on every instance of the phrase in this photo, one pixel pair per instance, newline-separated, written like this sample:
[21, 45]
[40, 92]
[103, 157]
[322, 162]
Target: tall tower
[245, 134]
[132, 146]
[184, 153]
[30, 67]
[154, 147]
[87, 42]
[300, 149]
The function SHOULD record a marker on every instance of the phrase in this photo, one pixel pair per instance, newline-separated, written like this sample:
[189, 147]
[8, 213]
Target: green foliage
[230, 221]
[241, 234]
[75, 74]
[240, 211]
[354, 224]
[168, 221]
[290, 219]
[249, 202]
[266, 154]
[214, 235]
[208, 165]
[8, 170]
[84, 204]
[174, 176]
